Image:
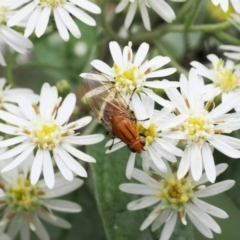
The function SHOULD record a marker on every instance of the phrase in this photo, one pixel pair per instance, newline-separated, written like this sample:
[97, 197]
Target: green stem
[165, 28]
[173, 62]
[192, 17]
[226, 38]
[46, 66]
[9, 67]
[183, 11]
[107, 26]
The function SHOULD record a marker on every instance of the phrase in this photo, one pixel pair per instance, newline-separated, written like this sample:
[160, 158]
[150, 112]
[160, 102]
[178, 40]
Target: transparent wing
[104, 99]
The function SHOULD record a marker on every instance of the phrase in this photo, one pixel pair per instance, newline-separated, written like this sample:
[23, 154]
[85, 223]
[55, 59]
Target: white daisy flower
[8, 98]
[24, 205]
[224, 4]
[175, 198]
[45, 131]
[38, 13]
[130, 75]
[161, 7]
[156, 147]
[225, 78]
[12, 38]
[233, 52]
[202, 127]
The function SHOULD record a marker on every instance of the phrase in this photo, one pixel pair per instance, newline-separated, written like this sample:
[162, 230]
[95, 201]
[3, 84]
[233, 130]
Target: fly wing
[104, 99]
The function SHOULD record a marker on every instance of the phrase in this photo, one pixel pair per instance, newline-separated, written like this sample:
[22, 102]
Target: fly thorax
[226, 79]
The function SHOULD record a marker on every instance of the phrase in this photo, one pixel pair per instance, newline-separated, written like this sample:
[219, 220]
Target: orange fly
[112, 110]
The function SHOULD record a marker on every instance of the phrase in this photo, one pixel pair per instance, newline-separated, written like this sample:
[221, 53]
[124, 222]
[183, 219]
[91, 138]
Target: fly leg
[112, 143]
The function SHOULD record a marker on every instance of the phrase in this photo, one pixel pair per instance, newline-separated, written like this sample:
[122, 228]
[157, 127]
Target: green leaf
[119, 223]
[108, 174]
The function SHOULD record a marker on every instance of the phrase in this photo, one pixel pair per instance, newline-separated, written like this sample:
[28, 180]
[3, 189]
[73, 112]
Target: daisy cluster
[179, 139]
[173, 127]
[39, 139]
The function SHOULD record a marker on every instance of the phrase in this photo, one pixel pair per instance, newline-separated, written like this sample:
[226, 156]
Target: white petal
[48, 172]
[21, 14]
[130, 14]
[130, 165]
[224, 147]
[43, 21]
[36, 167]
[210, 209]
[164, 84]
[151, 217]
[26, 107]
[15, 151]
[203, 217]
[32, 21]
[71, 162]
[78, 154]
[40, 231]
[102, 67]
[208, 163]
[84, 140]
[184, 163]
[161, 73]
[116, 53]
[141, 189]
[62, 188]
[144, 177]
[18, 160]
[62, 29]
[158, 99]
[89, 6]
[196, 162]
[10, 118]
[66, 172]
[215, 189]
[157, 159]
[121, 6]
[66, 109]
[202, 228]
[80, 14]
[169, 227]
[70, 24]
[142, 203]
[145, 15]
[219, 169]
[56, 221]
[13, 141]
[62, 205]
[141, 54]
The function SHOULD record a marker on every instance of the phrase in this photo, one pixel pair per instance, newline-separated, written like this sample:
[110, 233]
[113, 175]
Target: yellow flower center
[176, 193]
[3, 12]
[46, 134]
[198, 127]
[226, 79]
[149, 133]
[23, 197]
[218, 13]
[128, 79]
[50, 3]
